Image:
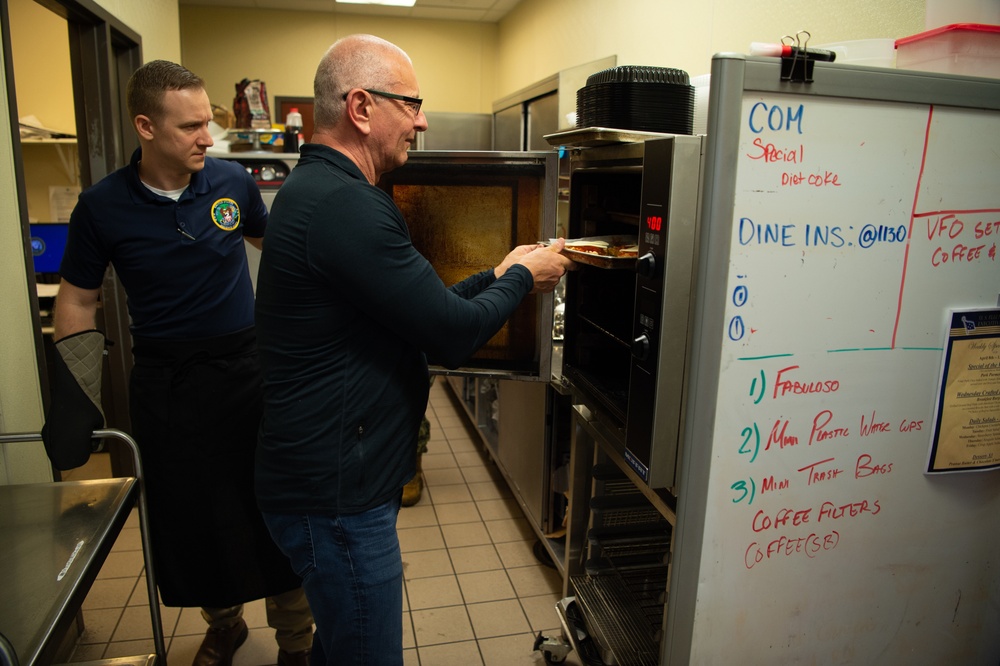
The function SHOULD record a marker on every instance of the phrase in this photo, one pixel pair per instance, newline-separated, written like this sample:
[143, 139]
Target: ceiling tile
[448, 13]
[372, 10]
[297, 5]
[456, 4]
[245, 4]
[488, 11]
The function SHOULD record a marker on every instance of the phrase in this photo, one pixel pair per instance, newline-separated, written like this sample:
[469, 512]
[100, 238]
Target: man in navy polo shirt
[172, 223]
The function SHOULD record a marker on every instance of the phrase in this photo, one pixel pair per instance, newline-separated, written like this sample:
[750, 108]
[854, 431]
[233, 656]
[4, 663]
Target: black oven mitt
[75, 399]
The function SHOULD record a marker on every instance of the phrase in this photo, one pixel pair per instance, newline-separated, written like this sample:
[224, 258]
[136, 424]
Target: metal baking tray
[601, 261]
[590, 137]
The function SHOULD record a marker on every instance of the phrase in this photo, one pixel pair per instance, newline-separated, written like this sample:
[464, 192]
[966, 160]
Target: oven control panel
[268, 172]
[667, 224]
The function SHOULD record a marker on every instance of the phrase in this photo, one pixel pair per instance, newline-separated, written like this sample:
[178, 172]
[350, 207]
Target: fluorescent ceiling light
[391, 3]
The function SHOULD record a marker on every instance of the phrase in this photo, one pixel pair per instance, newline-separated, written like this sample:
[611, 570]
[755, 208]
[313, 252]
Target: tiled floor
[475, 594]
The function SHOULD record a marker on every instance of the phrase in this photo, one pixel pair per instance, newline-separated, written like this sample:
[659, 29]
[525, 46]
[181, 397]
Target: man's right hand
[547, 266]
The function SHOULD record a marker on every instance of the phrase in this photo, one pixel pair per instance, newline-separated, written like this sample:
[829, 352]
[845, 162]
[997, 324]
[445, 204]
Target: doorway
[102, 53]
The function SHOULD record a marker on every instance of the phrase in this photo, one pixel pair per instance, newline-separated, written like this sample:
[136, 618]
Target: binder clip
[797, 66]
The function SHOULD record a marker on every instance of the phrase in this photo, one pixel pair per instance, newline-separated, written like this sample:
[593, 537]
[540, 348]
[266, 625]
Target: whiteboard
[841, 221]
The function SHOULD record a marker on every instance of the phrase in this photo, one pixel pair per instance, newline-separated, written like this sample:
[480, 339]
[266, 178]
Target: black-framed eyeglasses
[412, 103]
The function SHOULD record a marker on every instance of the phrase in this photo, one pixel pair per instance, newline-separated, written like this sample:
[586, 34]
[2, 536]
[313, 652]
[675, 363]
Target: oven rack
[603, 330]
[655, 532]
[623, 628]
[649, 547]
[634, 510]
[614, 482]
[625, 561]
[649, 588]
[600, 215]
[612, 400]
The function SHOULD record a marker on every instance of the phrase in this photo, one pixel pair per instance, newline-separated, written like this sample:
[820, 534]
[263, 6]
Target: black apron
[195, 408]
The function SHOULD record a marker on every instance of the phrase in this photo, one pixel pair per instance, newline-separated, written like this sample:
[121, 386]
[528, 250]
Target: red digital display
[654, 222]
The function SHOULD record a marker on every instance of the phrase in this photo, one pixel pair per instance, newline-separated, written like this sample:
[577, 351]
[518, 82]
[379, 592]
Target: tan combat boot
[413, 489]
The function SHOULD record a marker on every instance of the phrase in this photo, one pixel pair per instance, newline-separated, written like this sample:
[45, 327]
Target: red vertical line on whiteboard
[909, 235]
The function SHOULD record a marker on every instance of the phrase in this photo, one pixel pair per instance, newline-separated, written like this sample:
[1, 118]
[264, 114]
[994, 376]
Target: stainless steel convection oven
[627, 323]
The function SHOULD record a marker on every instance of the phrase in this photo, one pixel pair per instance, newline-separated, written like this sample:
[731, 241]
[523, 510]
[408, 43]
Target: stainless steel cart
[56, 537]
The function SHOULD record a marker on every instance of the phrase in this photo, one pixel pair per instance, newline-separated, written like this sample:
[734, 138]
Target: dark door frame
[103, 54]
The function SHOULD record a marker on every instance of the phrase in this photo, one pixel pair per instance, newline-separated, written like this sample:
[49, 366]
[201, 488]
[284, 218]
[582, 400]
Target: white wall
[455, 60]
[464, 67]
[20, 398]
[541, 37]
[155, 20]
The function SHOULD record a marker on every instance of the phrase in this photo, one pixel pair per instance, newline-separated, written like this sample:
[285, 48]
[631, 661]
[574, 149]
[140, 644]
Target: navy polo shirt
[182, 263]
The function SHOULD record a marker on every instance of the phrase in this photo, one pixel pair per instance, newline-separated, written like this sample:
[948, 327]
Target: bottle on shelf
[293, 131]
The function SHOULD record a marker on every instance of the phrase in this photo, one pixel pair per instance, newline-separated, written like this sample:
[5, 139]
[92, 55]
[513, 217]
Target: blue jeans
[352, 573]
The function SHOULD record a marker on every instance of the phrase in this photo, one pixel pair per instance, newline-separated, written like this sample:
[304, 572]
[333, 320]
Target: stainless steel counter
[55, 537]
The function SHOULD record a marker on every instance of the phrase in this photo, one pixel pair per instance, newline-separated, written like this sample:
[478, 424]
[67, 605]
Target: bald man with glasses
[412, 103]
[347, 313]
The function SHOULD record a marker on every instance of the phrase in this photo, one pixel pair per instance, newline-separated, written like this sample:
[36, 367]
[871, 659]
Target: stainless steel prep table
[56, 537]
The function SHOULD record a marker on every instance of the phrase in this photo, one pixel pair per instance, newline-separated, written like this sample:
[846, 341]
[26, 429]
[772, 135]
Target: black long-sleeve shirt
[346, 311]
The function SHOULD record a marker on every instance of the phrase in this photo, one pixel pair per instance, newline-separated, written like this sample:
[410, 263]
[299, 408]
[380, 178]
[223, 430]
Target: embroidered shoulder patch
[226, 214]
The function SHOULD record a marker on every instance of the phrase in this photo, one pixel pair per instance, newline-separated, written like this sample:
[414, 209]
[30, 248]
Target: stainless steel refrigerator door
[456, 131]
[508, 128]
[543, 118]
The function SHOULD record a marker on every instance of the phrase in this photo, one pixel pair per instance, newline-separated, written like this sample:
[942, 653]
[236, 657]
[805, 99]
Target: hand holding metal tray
[608, 261]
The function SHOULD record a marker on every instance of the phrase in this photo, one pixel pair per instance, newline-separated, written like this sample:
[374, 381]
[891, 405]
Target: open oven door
[466, 210]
